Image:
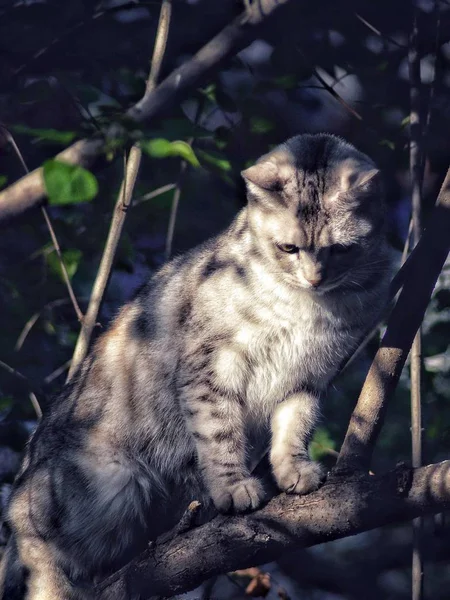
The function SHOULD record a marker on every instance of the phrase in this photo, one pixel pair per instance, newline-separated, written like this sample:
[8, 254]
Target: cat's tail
[13, 574]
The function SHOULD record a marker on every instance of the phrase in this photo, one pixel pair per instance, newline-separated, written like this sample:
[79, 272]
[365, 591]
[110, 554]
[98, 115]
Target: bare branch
[162, 33]
[29, 385]
[122, 205]
[378, 32]
[425, 264]
[416, 164]
[150, 195]
[174, 210]
[29, 191]
[104, 271]
[64, 272]
[342, 507]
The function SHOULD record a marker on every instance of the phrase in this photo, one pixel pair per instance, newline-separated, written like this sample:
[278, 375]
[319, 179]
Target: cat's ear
[354, 176]
[264, 175]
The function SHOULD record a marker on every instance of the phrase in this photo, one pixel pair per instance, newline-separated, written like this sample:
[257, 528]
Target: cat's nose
[314, 282]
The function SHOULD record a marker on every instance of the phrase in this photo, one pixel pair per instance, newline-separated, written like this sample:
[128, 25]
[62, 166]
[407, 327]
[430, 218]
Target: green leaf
[321, 444]
[68, 184]
[162, 148]
[48, 135]
[388, 143]
[71, 258]
[210, 92]
[260, 125]
[405, 121]
[214, 160]
[3, 180]
[183, 149]
[157, 148]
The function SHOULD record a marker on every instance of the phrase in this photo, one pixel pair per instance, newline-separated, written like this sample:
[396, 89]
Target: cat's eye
[288, 248]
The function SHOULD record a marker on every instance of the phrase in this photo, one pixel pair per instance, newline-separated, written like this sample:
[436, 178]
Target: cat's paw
[245, 495]
[298, 476]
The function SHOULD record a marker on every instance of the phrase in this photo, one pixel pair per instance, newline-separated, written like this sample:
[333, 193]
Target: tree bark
[342, 507]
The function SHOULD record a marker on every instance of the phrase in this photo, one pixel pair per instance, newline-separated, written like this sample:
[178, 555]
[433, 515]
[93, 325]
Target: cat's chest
[286, 355]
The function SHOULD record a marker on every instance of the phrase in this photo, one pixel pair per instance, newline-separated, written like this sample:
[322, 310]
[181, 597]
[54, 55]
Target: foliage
[55, 89]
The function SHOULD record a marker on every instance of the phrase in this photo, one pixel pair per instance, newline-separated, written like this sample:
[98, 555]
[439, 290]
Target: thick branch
[427, 260]
[29, 191]
[342, 507]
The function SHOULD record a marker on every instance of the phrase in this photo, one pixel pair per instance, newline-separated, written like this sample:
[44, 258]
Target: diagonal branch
[123, 203]
[342, 507]
[425, 264]
[29, 191]
[101, 281]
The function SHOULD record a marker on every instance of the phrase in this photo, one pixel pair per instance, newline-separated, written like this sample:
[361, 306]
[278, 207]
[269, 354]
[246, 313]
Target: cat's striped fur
[233, 341]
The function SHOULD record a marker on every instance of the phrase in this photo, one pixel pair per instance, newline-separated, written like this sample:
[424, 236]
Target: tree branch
[425, 264]
[416, 163]
[122, 205]
[101, 281]
[342, 507]
[29, 191]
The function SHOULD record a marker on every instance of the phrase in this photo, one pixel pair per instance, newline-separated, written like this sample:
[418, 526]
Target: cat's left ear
[358, 176]
[264, 175]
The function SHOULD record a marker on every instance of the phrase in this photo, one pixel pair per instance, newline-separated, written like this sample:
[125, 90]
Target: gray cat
[229, 344]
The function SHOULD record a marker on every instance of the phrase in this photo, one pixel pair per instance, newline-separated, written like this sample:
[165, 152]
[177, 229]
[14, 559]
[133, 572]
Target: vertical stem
[122, 205]
[101, 281]
[416, 170]
[174, 211]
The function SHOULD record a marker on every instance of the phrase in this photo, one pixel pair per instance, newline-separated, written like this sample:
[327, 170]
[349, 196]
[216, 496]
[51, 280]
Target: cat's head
[316, 212]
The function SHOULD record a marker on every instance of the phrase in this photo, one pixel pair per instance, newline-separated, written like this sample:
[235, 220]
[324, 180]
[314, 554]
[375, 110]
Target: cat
[233, 343]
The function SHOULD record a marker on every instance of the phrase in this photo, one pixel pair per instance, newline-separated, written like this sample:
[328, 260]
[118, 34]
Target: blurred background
[67, 69]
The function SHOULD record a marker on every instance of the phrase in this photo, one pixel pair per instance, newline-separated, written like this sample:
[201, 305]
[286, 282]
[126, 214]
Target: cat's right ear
[264, 175]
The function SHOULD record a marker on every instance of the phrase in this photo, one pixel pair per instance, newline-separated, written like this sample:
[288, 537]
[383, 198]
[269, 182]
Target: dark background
[72, 67]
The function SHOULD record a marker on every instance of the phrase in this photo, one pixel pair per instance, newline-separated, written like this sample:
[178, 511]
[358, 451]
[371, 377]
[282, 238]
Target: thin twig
[162, 33]
[122, 205]
[378, 32]
[161, 190]
[31, 387]
[57, 372]
[101, 281]
[35, 317]
[416, 169]
[48, 222]
[332, 91]
[181, 176]
[174, 210]
[62, 264]
[35, 404]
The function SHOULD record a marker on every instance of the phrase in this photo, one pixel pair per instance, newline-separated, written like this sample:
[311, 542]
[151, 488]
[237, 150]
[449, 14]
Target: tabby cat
[229, 345]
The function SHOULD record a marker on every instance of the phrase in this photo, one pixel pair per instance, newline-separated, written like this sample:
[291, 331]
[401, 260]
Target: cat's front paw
[245, 495]
[298, 476]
